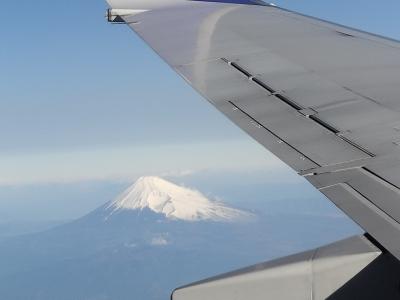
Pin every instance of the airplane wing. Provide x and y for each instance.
(324, 98)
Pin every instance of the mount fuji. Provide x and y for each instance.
(173, 201)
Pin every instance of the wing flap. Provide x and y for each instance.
(362, 210)
(316, 274)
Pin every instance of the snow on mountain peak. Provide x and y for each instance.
(174, 201)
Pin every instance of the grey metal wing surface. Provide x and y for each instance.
(323, 98)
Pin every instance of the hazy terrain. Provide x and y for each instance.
(145, 253)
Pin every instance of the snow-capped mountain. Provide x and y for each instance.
(173, 201)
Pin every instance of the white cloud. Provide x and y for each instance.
(159, 241)
(178, 173)
(130, 245)
(127, 163)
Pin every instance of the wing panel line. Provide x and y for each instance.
(295, 106)
(262, 126)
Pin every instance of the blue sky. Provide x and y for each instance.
(84, 100)
(74, 87)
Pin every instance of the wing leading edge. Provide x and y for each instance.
(321, 97)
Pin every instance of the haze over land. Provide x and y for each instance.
(127, 247)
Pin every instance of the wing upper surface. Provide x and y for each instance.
(322, 97)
